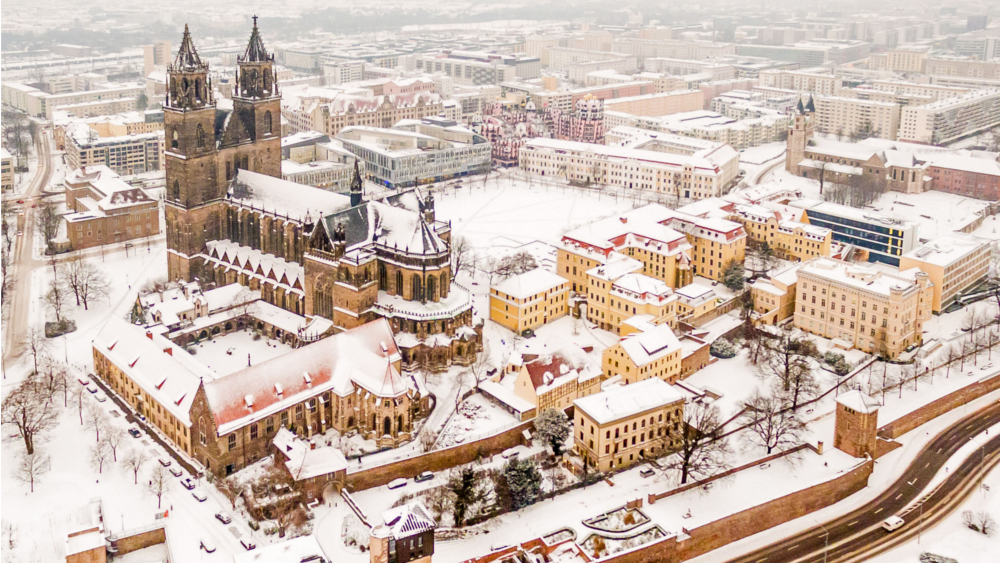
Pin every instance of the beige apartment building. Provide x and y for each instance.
(951, 119)
(628, 424)
(529, 300)
(861, 307)
(812, 82)
(843, 116)
(774, 296)
(899, 60)
(665, 103)
(651, 353)
(934, 91)
(965, 68)
(126, 155)
(790, 240)
(955, 262)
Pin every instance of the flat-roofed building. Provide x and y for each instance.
(665, 103)
(529, 300)
(955, 262)
(126, 154)
(800, 81)
(860, 307)
(628, 424)
(899, 60)
(951, 119)
(6, 170)
(886, 238)
(845, 116)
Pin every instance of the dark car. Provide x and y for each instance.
(223, 517)
(425, 476)
(134, 432)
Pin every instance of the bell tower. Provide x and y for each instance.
(193, 205)
(257, 105)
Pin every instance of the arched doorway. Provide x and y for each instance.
(387, 426)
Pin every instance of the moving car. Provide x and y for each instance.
(397, 483)
(199, 495)
(425, 476)
(223, 517)
(187, 483)
(208, 545)
(892, 523)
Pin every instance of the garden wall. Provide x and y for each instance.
(940, 406)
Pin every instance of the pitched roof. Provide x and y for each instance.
(628, 400)
(408, 520)
(255, 52)
(187, 56)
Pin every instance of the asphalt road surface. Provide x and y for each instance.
(859, 535)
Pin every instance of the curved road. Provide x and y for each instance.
(859, 535)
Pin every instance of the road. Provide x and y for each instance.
(23, 262)
(858, 535)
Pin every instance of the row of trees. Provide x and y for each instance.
(75, 279)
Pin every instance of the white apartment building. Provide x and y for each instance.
(466, 71)
(706, 173)
(951, 119)
(415, 152)
(812, 82)
(935, 91)
(562, 58)
(840, 115)
(707, 125)
(681, 67)
(342, 72)
(665, 103)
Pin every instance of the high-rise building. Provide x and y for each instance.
(157, 54)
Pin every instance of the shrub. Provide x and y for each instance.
(722, 348)
(842, 367)
(833, 358)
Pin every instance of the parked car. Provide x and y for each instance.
(92, 389)
(425, 476)
(509, 454)
(164, 462)
(646, 472)
(176, 471)
(223, 517)
(100, 397)
(397, 483)
(892, 523)
(200, 496)
(135, 432)
(84, 380)
(207, 544)
(248, 544)
(187, 483)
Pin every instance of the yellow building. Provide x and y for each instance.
(628, 424)
(653, 353)
(716, 242)
(790, 240)
(529, 300)
(861, 307)
(954, 262)
(556, 380)
(616, 292)
(695, 300)
(774, 297)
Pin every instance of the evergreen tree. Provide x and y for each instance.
(523, 482)
(733, 275)
(464, 491)
(553, 426)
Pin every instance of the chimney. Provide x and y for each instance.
(168, 351)
(623, 220)
(149, 334)
(819, 447)
(312, 445)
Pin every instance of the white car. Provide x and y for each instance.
(199, 495)
(893, 523)
(397, 483)
(100, 397)
(207, 544)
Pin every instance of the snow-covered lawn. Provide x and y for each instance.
(475, 418)
(230, 353)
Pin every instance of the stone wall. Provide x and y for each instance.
(936, 408)
(360, 480)
(129, 541)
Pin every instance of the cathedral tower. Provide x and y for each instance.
(193, 198)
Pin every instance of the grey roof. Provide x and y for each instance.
(187, 56)
(255, 53)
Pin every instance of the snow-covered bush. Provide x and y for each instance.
(722, 348)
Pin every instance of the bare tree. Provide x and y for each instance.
(769, 424)
(100, 453)
(760, 258)
(699, 449)
(47, 220)
(481, 365)
(245, 304)
(515, 264)
(29, 408)
(55, 298)
(37, 345)
(789, 359)
(821, 169)
(461, 255)
(114, 436)
(86, 281)
(56, 379)
(230, 488)
(159, 483)
(95, 420)
(31, 466)
(134, 460)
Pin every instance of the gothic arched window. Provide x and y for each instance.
(200, 136)
(197, 89)
(174, 142)
(267, 122)
(418, 289)
(383, 278)
(399, 283)
(444, 285)
(430, 287)
(176, 192)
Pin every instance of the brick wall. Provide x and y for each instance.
(139, 540)
(438, 460)
(936, 408)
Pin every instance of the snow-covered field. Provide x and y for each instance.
(230, 353)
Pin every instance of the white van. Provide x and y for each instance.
(893, 523)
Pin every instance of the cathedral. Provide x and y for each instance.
(230, 218)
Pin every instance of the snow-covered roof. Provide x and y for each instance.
(625, 401)
(165, 372)
(282, 197)
(646, 347)
(947, 249)
(654, 158)
(362, 357)
(408, 520)
(304, 462)
(865, 278)
(858, 401)
(529, 283)
(840, 149)
(296, 550)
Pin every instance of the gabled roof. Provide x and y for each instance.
(408, 520)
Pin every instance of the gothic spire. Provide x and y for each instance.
(357, 190)
(187, 56)
(255, 53)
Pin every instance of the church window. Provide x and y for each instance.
(267, 122)
(176, 192)
(444, 285)
(173, 141)
(200, 136)
(383, 278)
(399, 282)
(430, 287)
(418, 290)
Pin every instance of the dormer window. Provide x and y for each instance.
(278, 389)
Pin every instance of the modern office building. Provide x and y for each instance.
(886, 238)
(126, 154)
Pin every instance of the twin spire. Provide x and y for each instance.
(255, 53)
(187, 56)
